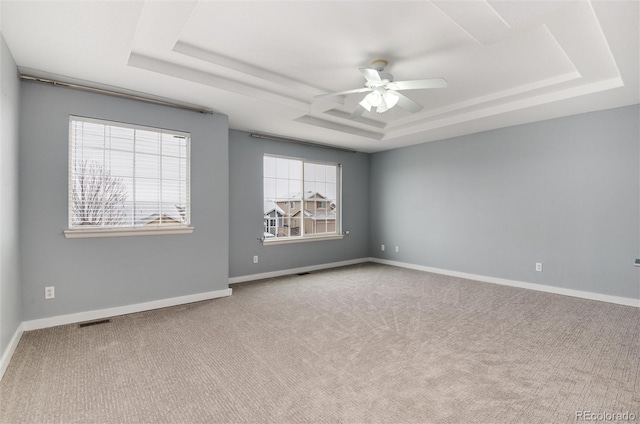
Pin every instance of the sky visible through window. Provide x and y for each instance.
(283, 178)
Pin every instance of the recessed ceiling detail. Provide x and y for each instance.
(245, 68)
(477, 19)
(213, 80)
(262, 63)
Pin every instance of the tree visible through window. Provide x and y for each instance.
(97, 197)
(123, 175)
(301, 198)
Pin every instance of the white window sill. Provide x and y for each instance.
(286, 240)
(120, 232)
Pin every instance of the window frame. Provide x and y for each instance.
(116, 231)
(304, 238)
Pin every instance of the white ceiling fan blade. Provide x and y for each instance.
(418, 84)
(406, 103)
(371, 75)
(357, 113)
(340, 93)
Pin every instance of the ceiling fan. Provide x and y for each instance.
(384, 90)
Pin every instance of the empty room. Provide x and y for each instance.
(320, 211)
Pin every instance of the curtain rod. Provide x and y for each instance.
(115, 93)
(303, 142)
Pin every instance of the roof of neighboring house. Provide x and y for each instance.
(167, 211)
(320, 215)
(270, 206)
(165, 217)
(142, 213)
(313, 195)
(308, 195)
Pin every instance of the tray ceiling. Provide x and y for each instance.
(262, 62)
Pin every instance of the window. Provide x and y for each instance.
(127, 179)
(305, 195)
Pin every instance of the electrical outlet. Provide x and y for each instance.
(397, 248)
(539, 266)
(382, 247)
(49, 292)
(255, 259)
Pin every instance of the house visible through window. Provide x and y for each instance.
(301, 198)
(126, 176)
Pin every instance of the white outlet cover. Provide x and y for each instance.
(49, 292)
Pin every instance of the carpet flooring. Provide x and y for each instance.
(358, 344)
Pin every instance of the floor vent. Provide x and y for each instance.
(88, 324)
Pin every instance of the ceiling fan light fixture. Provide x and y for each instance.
(391, 99)
(382, 101)
(374, 98)
(382, 108)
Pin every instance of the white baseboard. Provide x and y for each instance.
(121, 310)
(8, 352)
(263, 275)
(627, 301)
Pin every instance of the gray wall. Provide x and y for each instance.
(97, 273)
(10, 297)
(246, 208)
(563, 192)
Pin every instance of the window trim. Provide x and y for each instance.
(94, 232)
(126, 231)
(300, 239)
(338, 234)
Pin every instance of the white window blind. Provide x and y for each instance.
(127, 176)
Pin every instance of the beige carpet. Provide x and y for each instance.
(366, 343)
